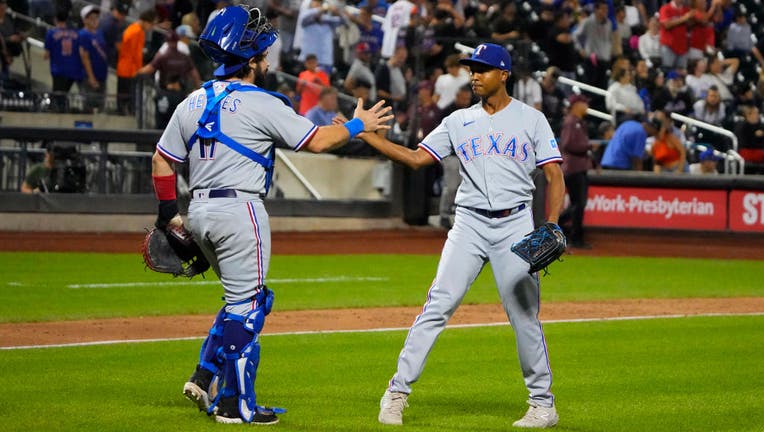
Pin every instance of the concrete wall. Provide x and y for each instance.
(100, 121)
(332, 177)
(57, 222)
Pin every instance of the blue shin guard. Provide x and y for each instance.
(211, 353)
(241, 352)
(246, 373)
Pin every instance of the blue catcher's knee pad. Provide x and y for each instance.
(265, 299)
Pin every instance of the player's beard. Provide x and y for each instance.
(260, 74)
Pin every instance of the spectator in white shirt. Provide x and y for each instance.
(623, 97)
(650, 42)
(526, 89)
(449, 83)
(711, 109)
(396, 19)
(721, 73)
(697, 80)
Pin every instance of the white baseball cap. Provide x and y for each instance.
(88, 9)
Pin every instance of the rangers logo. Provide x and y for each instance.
(553, 143)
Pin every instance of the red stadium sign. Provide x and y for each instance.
(656, 208)
(747, 211)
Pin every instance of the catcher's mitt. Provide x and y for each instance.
(541, 247)
(173, 251)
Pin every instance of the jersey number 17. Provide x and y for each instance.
(207, 149)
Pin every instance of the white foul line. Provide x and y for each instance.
(217, 282)
(377, 330)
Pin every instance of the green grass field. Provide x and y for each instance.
(688, 374)
(692, 374)
(56, 281)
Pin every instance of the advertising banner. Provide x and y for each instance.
(747, 211)
(689, 209)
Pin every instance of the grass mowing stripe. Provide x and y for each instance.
(650, 375)
(377, 330)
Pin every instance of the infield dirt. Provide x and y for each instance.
(414, 241)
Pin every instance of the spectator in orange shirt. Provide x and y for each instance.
(669, 154)
(130, 59)
(309, 83)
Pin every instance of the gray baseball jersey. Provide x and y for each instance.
(226, 214)
(255, 119)
(497, 154)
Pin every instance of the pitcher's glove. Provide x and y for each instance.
(173, 250)
(541, 247)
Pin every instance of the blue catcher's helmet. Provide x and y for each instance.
(234, 36)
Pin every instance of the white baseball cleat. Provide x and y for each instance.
(391, 407)
(538, 417)
(195, 394)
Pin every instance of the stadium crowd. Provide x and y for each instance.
(698, 58)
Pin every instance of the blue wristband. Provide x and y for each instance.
(354, 126)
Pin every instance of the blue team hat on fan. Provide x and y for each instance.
(495, 56)
(709, 154)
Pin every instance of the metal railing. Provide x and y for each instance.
(298, 175)
(115, 162)
(732, 158)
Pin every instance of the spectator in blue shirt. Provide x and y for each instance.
(112, 25)
(370, 31)
(326, 108)
(62, 48)
(318, 24)
(93, 53)
(377, 7)
(626, 148)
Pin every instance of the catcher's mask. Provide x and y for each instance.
(234, 36)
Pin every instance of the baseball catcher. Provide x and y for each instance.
(228, 131)
(541, 247)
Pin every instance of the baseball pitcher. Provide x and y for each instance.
(498, 142)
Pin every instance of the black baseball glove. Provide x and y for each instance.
(541, 247)
(173, 250)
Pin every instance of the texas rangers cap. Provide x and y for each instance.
(495, 56)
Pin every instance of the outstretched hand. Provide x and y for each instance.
(375, 118)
